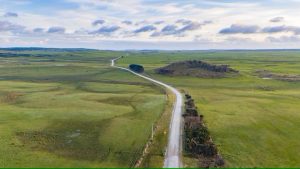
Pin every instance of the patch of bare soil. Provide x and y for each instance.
(196, 68)
(265, 74)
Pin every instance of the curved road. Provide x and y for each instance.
(173, 153)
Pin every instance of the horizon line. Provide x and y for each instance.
(233, 49)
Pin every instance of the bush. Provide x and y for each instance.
(136, 68)
(202, 135)
(209, 150)
(197, 136)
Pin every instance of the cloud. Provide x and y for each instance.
(174, 20)
(190, 27)
(159, 22)
(127, 22)
(283, 39)
(174, 30)
(275, 29)
(207, 22)
(296, 30)
(277, 19)
(252, 29)
(283, 28)
(141, 23)
(106, 30)
(167, 30)
(184, 21)
(11, 27)
(81, 31)
(147, 28)
(10, 14)
(240, 29)
(238, 40)
(98, 22)
(56, 29)
(38, 30)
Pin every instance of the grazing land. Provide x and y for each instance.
(253, 120)
(68, 108)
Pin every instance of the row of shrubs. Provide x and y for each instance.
(185, 65)
(197, 140)
(210, 67)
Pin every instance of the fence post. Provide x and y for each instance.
(152, 132)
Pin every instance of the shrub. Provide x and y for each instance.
(136, 68)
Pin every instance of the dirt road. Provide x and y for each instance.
(173, 152)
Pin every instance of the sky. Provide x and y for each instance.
(151, 24)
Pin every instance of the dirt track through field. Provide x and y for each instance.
(174, 149)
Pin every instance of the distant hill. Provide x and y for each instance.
(22, 49)
(196, 68)
(37, 52)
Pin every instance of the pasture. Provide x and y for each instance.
(254, 121)
(70, 109)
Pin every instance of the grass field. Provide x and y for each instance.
(70, 109)
(254, 121)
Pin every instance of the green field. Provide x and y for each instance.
(70, 109)
(254, 121)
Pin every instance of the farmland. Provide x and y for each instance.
(254, 121)
(70, 109)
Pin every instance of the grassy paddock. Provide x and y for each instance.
(73, 110)
(70, 109)
(254, 121)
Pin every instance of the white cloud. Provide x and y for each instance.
(77, 21)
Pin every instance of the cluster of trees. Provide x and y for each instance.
(136, 68)
(210, 67)
(196, 68)
(197, 139)
(195, 64)
(164, 71)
